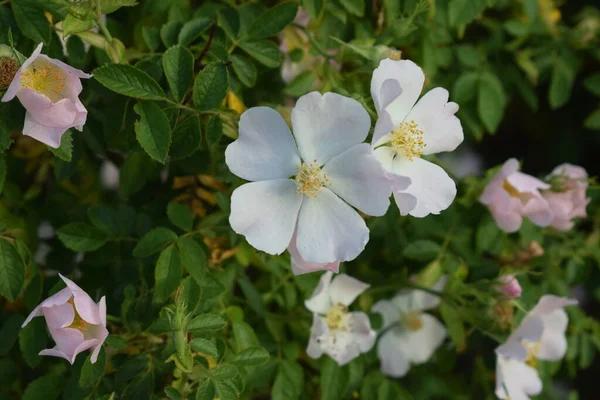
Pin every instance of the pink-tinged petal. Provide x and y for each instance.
(345, 289)
(58, 298)
(299, 266)
(81, 116)
(330, 230)
(385, 155)
(15, 85)
(553, 343)
(61, 114)
(320, 302)
(97, 347)
(54, 352)
(410, 79)
(102, 310)
(265, 148)
(85, 306)
(393, 361)
(510, 286)
(45, 134)
(383, 128)
(327, 125)
(526, 183)
(358, 178)
(364, 336)
(265, 213)
(406, 202)
(538, 211)
(549, 303)
(433, 114)
(509, 222)
(66, 67)
(59, 316)
(67, 341)
(87, 344)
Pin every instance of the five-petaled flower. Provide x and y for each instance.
(410, 335)
(330, 170)
(567, 195)
(405, 131)
(541, 336)
(49, 90)
(512, 195)
(75, 322)
(336, 331)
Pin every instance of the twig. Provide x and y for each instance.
(208, 44)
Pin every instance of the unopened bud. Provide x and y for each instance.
(8, 70)
(510, 287)
(535, 249)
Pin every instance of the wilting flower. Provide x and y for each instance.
(405, 131)
(49, 90)
(541, 336)
(512, 195)
(331, 171)
(336, 331)
(567, 195)
(510, 286)
(412, 336)
(75, 322)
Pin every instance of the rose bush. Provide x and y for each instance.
(315, 199)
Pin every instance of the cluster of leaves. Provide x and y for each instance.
(194, 311)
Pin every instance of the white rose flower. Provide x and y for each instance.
(337, 332)
(330, 171)
(405, 131)
(412, 336)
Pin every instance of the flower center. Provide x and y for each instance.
(510, 189)
(411, 320)
(533, 350)
(310, 179)
(407, 139)
(46, 79)
(78, 323)
(338, 317)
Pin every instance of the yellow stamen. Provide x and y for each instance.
(533, 350)
(412, 321)
(510, 189)
(46, 79)
(310, 179)
(338, 317)
(407, 139)
(78, 323)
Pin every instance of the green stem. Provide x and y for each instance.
(190, 109)
(101, 24)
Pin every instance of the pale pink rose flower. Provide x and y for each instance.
(299, 266)
(75, 322)
(567, 197)
(512, 195)
(510, 286)
(49, 90)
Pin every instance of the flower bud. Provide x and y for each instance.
(510, 287)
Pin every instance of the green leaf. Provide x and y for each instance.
(32, 340)
(255, 300)
(333, 380)
(229, 20)
(468, 55)
(109, 6)
(116, 342)
(151, 36)
(135, 172)
(129, 81)
(154, 241)
(244, 69)
(289, 381)
(92, 373)
(214, 130)
(225, 391)
(491, 101)
(193, 257)
(464, 11)
(211, 86)
(180, 216)
(104, 218)
(2, 172)
(223, 372)
(207, 322)
(465, 87)
(12, 270)
(244, 336)
(263, 51)
(314, 7)
(169, 33)
(204, 346)
(206, 391)
(561, 83)
(454, 323)
(72, 24)
(301, 84)
(488, 235)
(31, 20)
(65, 151)
(178, 64)
(167, 274)
(592, 84)
(272, 21)
(153, 130)
(356, 7)
(422, 250)
(192, 30)
(10, 332)
(251, 356)
(186, 138)
(592, 121)
(47, 387)
(79, 236)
